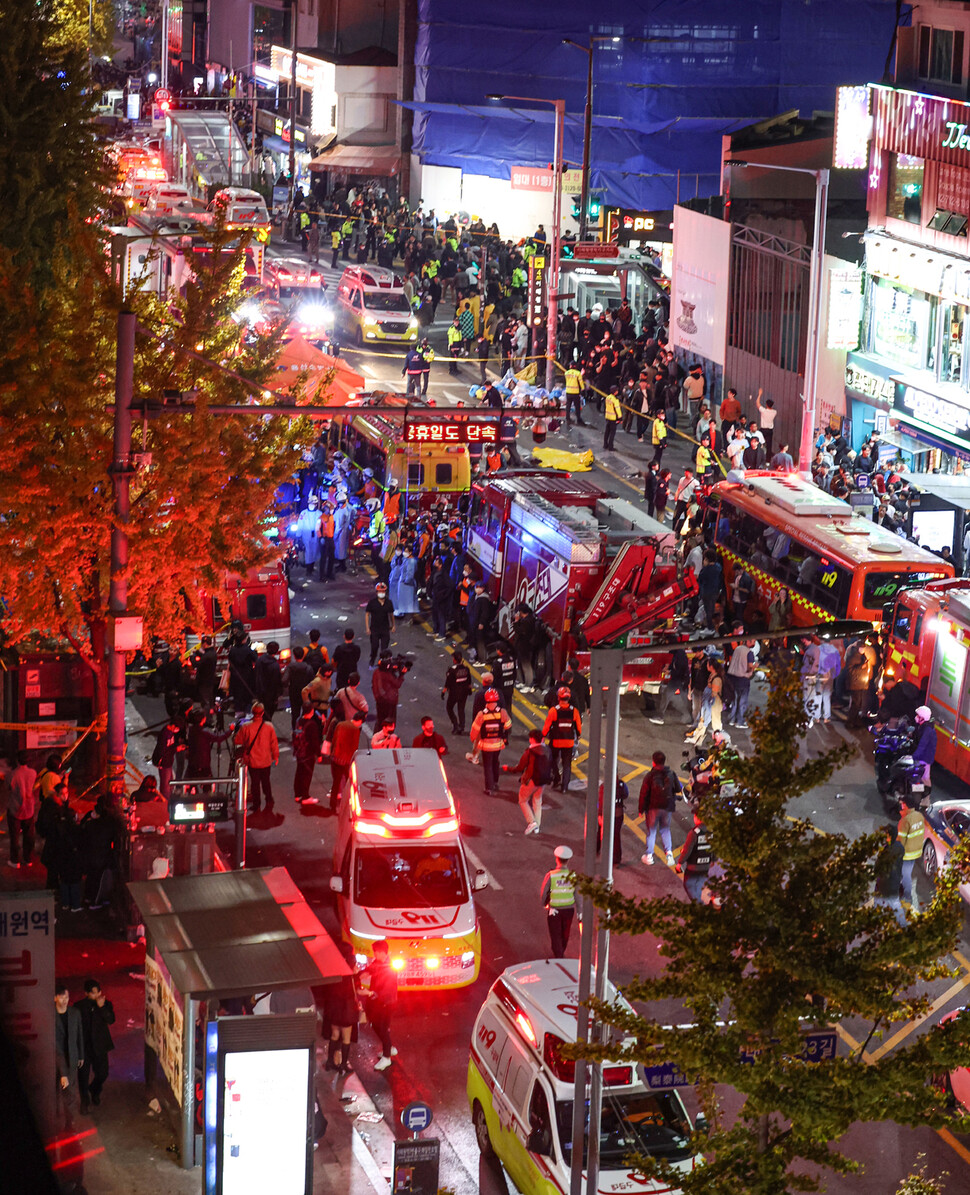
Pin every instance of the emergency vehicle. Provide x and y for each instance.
(400, 872)
(593, 567)
(260, 601)
(520, 1089)
(787, 533)
(929, 644)
(423, 469)
(158, 253)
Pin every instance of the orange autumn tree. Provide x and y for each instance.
(201, 505)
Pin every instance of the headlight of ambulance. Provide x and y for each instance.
(468, 958)
(312, 314)
(369, 321)
(413, 322)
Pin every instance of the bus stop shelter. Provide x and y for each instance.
(207, 151)
(221, 936)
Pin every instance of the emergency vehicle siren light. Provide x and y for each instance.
(398, 963)
(524, 1026)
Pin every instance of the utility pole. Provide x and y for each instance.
(121, 471)
(294, 21)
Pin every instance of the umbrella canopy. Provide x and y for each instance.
(299, 355)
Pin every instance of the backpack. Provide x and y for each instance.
(658, 790)
(541, 766)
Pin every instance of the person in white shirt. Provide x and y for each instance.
(766, 413)
(736, 446)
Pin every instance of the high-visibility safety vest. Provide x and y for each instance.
(335, 238)
(431, 268)
(492, 734)
(392, 507)
(518, 277)
(454, 335)
(562, 889)
(574, 381)
(304, 220)
(703, 460)
(659, 431)
(562, 726)
(347, 228)
(700, 857)
(613, 412)
(326, 527)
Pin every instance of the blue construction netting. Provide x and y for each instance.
(680, 75)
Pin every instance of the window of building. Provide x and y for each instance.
(905, 197)
(940, 55)
(901, 324)
(952, 223)
(954, 322)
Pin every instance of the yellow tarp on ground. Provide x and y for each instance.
(528, 375)
(554, 458)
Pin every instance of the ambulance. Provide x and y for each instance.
(400, 872)
(520, 1090)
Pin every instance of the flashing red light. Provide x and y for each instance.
(525, 1027)
(363, 827)
(563, 1068)
(448, 826)
(617, 1076)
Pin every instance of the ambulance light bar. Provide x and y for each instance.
(383, 829)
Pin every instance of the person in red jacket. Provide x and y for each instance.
(429, 737)
(535, 767)
(344, 741)
(562, 728)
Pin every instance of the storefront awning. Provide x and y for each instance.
(382, 161)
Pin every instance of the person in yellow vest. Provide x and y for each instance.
(454, 346)
(613, 413)
(559, 898)
(659, 437)
(304, 228)
(909, 831)
(704, 461)
(575, 384)
(335, 240)
(346, 236)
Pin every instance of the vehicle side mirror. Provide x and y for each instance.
(480, 881)
(336, 884)
(538, 1141)
(700, 1123)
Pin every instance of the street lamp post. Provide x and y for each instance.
(810, 403)
(552, 275)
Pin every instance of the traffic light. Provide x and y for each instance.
(577, 206)
(566, 250)
(595, 204)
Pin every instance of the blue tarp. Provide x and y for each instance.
(682, 74)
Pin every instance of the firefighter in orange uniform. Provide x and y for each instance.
(325, 535)
(562, 728)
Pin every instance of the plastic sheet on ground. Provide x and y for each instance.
(555, 458)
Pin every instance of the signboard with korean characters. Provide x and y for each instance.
(27, 993)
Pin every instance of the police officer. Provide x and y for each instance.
(503, 669)
(562, 728)
(695, 859)
(454, 347)
(457, 686)
(559, 898)
(575, 383)
(489, 732)
(427, 356)
(413, 369)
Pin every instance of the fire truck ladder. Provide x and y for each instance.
(626, 600)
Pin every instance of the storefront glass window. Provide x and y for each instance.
(905, 199)
(951, 354)
(901, 325)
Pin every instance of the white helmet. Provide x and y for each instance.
(923, 713)
(368, 473)
(563, 852)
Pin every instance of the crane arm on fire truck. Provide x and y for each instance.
(635, 592)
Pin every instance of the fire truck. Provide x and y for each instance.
(595, 568)
(929, 645)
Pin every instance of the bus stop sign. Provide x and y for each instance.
(416, 1116)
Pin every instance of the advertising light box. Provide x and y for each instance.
(259, 1105)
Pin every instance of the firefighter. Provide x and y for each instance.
(695, 859)
(562, 728)
(559, 898)
(325, 534)
(489, 733)
(392, 503)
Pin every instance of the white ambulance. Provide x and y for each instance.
(520, 1090)
(400, 872)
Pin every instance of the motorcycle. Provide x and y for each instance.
(897, 773)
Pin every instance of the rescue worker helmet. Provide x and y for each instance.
(923, 713)
(491, 696)
(564, 694)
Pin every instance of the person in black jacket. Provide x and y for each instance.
(96, 1015)
(457, 686)
(346, 657)
(101, 832)
(442, 592)
(206, 667)
(200, 741)
(297, 676)
(57, 825)
(242, 669)
(381, 996)
(269, 678)
(68, 1053)
(307, 742)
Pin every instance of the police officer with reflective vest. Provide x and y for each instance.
(427, 356)
(454, 347)
(575, 384)
(613, 413)
(559, 898)
(413, 369)
(562, 728)
(695, 859)
(335, 239)
(489, 732)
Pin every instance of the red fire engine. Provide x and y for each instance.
(929, 645)
(595, 568)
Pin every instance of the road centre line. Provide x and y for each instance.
(492, 881)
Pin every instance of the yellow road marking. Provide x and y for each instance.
(912, 1026)
(947, 1136)
(961, 959)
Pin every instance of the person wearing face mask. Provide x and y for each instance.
(307, 527)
